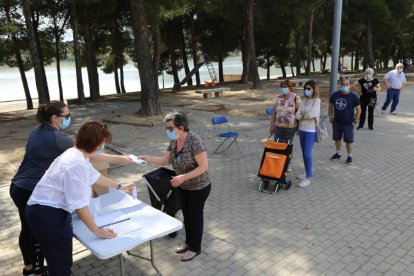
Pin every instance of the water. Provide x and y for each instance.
(12, 88)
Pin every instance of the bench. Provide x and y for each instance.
(299, 82)
(216, 91)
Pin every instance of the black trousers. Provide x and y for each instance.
(192, 204)
(364, 106)
(29, 247)
(53, 229)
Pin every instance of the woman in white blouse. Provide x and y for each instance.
(308, 115)
(64, 188)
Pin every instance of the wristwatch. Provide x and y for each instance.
(119, 186)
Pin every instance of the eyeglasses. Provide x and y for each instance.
(64, 116)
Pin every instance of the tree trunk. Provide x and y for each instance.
(283, 68)
(184, 52)
(352, 60)
(220, 66)
(308, 65)
(267, 64)
(40, 76)
(245, 57)
(298, 56)
(291, 70)
(356, 63)
(116, 79)
(91, 62)
(121, 75)
(369, 49)
(174, 69)
(57, 57)
(157, 52)
(149, 95)
(76, 50)
(253, 60)
(194, 48)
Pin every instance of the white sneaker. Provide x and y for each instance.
(301, 176)
(383, 112)
(304, 183)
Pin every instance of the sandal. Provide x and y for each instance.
(182, 248)
(189, 255)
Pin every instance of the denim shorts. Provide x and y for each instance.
(346, 130)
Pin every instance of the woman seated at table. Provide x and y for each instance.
(188, 155)
(64, 188)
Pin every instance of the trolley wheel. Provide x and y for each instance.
(278, 185)
(287, 185)
(263, 185)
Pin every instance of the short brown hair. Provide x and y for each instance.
(288, 83)
(91, 135)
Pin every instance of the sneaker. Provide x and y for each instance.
(393, 113)
(336, 156)
(383, 112)
(349, 160)
(304, 183)
(301, 176)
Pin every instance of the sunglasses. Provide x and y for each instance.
(64, 116)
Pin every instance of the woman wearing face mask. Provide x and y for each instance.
(367, 88)
(46, 142)
(188, 155)
(64, 188)
(283, 122)
(308, 116)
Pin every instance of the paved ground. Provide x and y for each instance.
(360, 218)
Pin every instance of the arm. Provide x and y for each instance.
(85, 216)
(160, 161)
(315, 111)
(202, 163)
(386, 83)
(273, 119)
(330, 112)
(377, 87)
(357, 114)
(107, 182)
(120, 159)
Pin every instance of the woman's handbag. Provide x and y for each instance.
(321, 130)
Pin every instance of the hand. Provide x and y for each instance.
(177, 180)
(330, 119)
(105, 233)
(271, 130)
(144, 157)
(127, 187)
(123, 160)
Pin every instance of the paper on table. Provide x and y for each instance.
(118, 222)
(136, 160)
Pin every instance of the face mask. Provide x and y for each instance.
(368, 76)
(308, 92)
(284, 90)
(171, 135)
(65, 123)
(100, 150)
(345, 89)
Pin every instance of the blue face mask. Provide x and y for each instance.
(307, 92)
(345, 89)
(284, 90)
(100, 150)
(65, 123)
(171, 135)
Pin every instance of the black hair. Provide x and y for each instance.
(46, 111)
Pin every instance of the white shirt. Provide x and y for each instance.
(395, 80)
(311, 108)
(66, 184)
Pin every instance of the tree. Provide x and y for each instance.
(149, 96)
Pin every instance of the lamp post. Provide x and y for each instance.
(336, 45)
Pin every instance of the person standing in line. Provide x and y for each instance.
(188, 155)
(367, 88)
(46, 142)
(344, 111)
(283, 124)
(308, 116)
(64, 188)
(394, 82)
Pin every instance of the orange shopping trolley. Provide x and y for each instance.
(273, 167)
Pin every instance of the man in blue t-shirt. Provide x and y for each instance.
(344, 111)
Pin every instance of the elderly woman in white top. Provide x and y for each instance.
(64, 188)
(308, 115)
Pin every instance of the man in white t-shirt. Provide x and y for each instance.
(394, 82)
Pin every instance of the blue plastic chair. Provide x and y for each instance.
(224, 133)
(269, 111)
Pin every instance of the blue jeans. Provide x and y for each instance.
(394, 95)
(307, 140)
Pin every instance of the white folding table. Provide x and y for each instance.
(152, 222)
